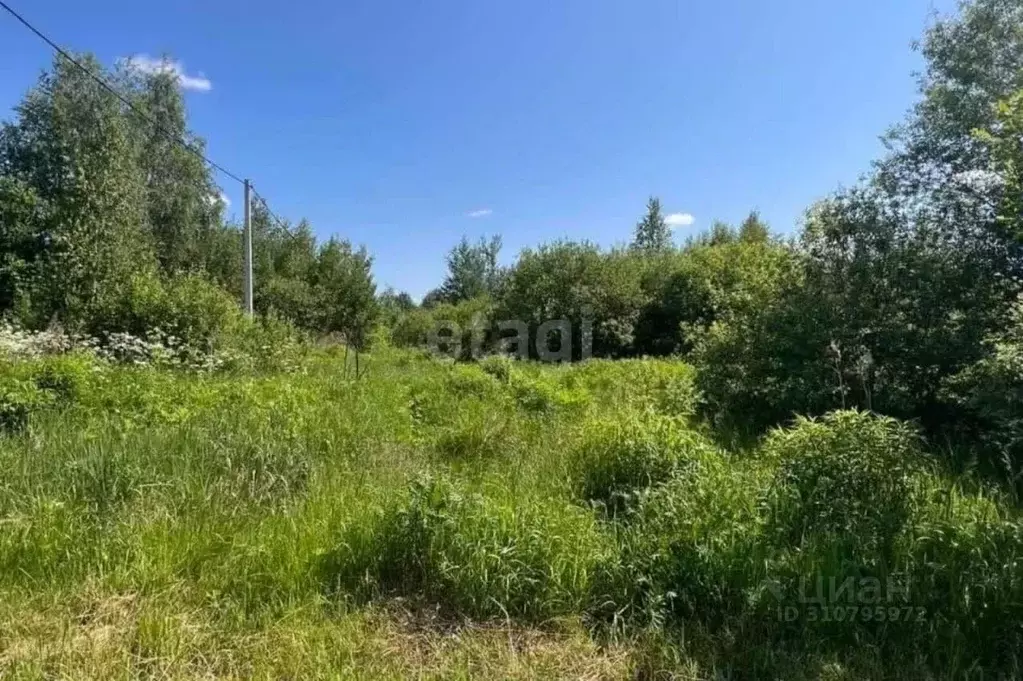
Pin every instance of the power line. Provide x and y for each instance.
(117, 94)
(280, 223)
(179, 140)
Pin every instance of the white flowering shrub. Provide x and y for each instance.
(19, 344)
(256, 345)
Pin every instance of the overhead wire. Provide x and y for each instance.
(109, 88)
(285, 227)
(127, 102)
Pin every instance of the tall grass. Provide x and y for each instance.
(563, 521)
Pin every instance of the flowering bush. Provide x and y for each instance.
(18, 344)
(258, 344)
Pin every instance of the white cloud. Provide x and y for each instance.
(679, 220)
(146, 64)
(224, 200)
(482, 213)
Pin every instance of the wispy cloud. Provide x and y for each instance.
(482, 213)
(146, 64)
(679, 220)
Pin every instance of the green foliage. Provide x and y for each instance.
(542, 396)
(484, 557)
(245, 494)
(471, 381)
(102, 480)
(897, 282)
(472, 270)
(1003, 143)
(753, 229)
(266, 344)
(19, 398)
(989, 394)
(413, 328)
(498, 366)
(652, 233)
(966, 571)
(578, 283)
(475, 437)
(704, 283)
(187, 308)
(109, 224)
(393, 307)
(32, 387)
(876, 312)
(618, 461)
(973, 60)
(665, 386)
(250, 496)
(65, 377)
(20, 212)
(844, 477)
(689, 554)
(182, 202)
(461, 330)
(77, 198)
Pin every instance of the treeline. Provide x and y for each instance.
(900, 295)
(109, 225)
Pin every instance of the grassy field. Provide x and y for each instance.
(494, 520)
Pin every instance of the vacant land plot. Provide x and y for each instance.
(494, 520)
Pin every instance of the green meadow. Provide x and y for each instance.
(492, 520)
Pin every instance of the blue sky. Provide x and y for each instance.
(393, 123)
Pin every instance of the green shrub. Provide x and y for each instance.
(666, 386)
(33, 385)
(844, 476)
(19, 398)
(469, 381)
(188, 311)
(481, 556)
(64, 376)
(620, 459)
(264, 344)
(415, 327)
(197, 311)
(989, 398)
(575, 281)
(498, 366)
(690, 553)
(412, 328)
(542, 396)
(691, 289)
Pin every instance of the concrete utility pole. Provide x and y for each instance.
(247, 245)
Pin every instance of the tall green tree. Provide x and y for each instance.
(652, 233)
(72, 150)
(753, 229)
(705, 282)
(472, 270)
(1004, 141)
(345, 292)
(183, 203)
(576, 281)
(902, 278)
(973, 60)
